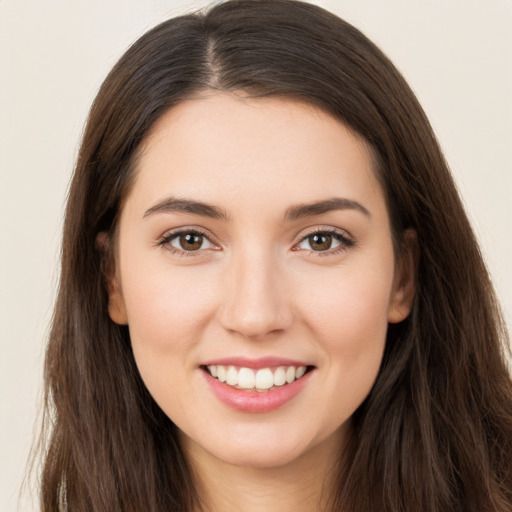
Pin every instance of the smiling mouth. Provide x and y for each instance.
(252, 379)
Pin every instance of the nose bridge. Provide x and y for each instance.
(256, 301)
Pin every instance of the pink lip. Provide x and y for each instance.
(255, 401)
(261, 362)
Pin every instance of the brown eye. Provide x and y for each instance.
(325, 241)
(188, 241)
(320, 241)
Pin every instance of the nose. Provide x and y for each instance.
(256, 300)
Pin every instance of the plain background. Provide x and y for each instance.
(456, 55)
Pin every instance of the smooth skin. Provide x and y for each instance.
(257, 282)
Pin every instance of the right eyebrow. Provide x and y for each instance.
(176, 204)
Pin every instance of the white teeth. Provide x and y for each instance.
(260, 380)
(221, 373)
(246, 379)
(232, 376)
(290, 374)
(279, 376)
(300, 371)
(264, 379)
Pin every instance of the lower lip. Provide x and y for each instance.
(256, 401)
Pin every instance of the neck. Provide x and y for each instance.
(303, 485)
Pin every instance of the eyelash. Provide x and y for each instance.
(342, 238)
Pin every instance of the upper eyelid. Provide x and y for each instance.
(192, 229)
(325, 229)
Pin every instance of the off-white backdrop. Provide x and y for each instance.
(456, 54)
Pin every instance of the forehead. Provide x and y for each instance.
(264, 153)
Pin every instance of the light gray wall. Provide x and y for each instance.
(456, 54)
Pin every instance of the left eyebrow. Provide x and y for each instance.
(301, 211)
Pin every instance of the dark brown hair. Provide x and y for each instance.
(435, 433)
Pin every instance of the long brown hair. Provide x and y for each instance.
(435, 433)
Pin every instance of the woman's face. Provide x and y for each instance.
(255, 244)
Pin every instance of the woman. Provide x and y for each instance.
(271, 297)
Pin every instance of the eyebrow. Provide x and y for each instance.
(300, 211)
(176, 204)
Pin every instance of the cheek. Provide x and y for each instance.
(169, 301)
(350, 324)
(352, 309)
(167, 310)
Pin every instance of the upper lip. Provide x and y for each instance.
(260, 362)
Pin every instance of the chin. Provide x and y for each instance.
(265, 448)
(263, 458)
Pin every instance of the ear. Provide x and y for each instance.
(116, 305)
(404, 285)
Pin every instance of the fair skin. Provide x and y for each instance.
(261, 283)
